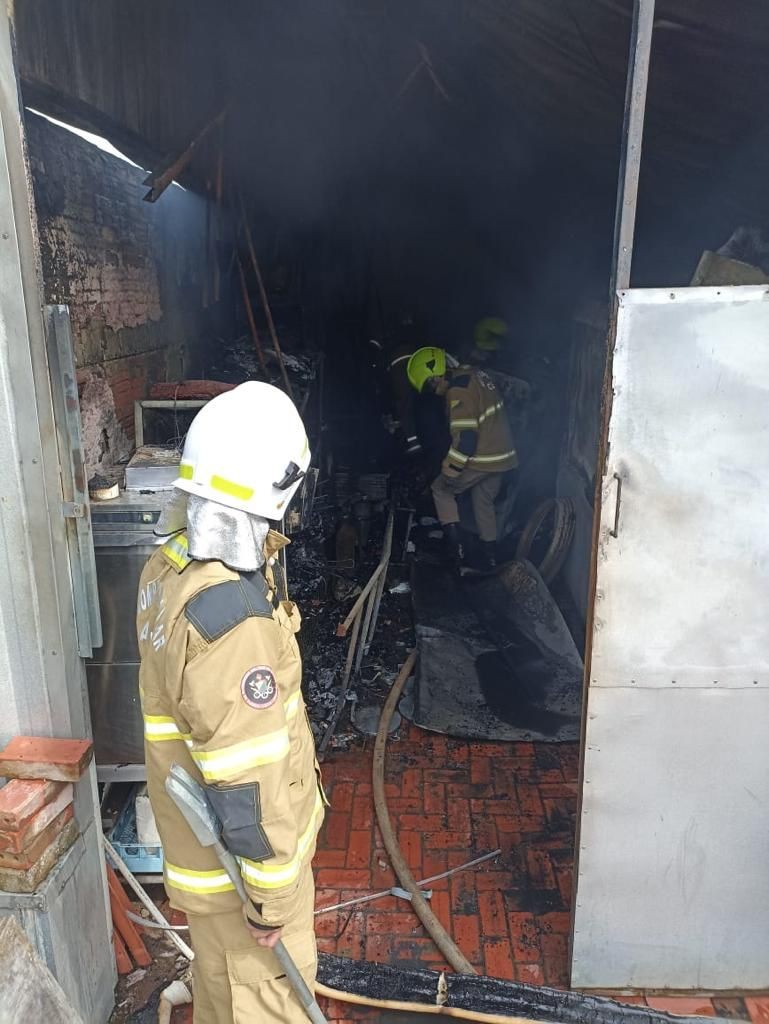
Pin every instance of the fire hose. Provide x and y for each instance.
(435, 929)
(455, 1012)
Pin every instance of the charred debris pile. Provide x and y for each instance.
(353, 526)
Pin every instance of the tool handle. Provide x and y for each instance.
(230, 865)
(298, 984)
(295, 979)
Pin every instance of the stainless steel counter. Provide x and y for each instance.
(124, 540)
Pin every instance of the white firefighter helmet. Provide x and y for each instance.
(246, 449)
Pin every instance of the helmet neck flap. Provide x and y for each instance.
(229, 535)
(216, 532)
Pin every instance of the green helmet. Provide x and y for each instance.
(425, 363)
(489, 334)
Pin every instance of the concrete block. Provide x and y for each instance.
(39, 757)
(68, 903)
(29, 990)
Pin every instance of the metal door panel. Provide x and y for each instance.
(113, 672)
(118, 571)
(682, 588)
(113, 695)
(673, 887)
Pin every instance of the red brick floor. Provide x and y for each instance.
(451, 801)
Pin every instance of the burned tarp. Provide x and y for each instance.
(497, 660)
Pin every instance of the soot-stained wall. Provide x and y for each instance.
(132, 274)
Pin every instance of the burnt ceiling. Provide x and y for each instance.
(499, 117)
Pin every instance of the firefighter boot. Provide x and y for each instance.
(485, 561)
(454, 549)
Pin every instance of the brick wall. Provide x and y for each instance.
(132, 274)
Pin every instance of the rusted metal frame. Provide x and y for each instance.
(622, 258)
(219, 192)
(209, 243)
(265, 300)
(250, 315)
(158, 181)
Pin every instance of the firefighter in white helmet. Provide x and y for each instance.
(220, 685)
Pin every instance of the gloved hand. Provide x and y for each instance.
(267, 937)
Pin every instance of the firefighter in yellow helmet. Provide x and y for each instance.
(489, 336)
(220, 685)
(481, 450)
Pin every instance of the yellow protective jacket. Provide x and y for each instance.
(480, 432)
(220, 690)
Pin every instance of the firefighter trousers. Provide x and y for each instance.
(237, 982)
(483, 487)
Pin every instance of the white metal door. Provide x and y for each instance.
(673, 884)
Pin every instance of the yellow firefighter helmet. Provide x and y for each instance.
(425, 363)
(489, 334)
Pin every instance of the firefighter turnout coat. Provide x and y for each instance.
(480, 432)
(220, 691)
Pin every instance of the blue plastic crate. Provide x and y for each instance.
(142, 860)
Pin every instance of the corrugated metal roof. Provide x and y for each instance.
(325, 99)
(557, 66)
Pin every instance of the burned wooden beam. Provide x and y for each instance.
(265, 299)
(159, 180)
(251, 320)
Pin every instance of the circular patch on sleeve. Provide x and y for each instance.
(259, 688)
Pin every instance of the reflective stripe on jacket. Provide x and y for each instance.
(480, 431)
(220, 685)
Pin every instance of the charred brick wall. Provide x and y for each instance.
(132, 274)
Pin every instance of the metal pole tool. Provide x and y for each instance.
(190, 797)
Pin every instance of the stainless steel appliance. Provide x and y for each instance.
(123, 539)
(152, 468)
